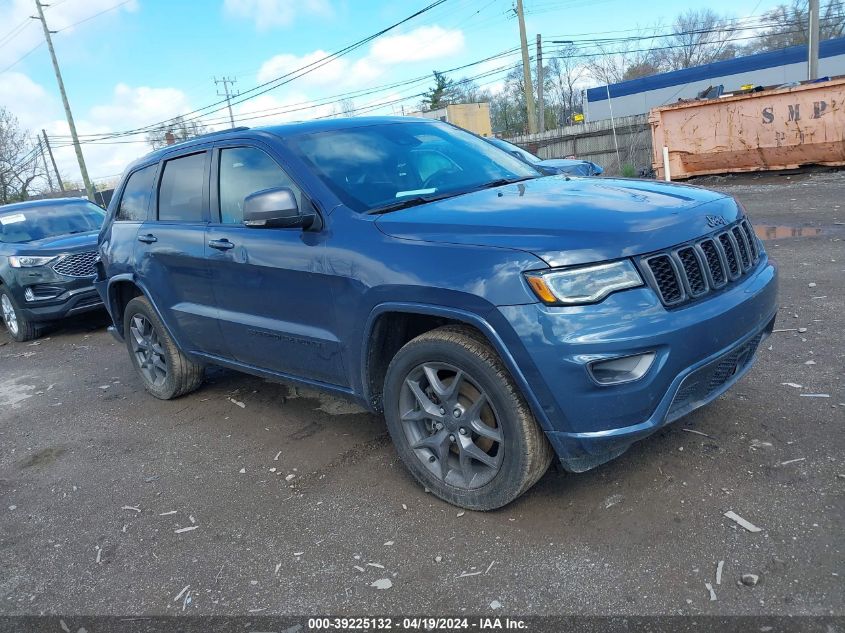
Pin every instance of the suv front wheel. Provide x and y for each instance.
(18, 326)
(459, 422)
(167, 373)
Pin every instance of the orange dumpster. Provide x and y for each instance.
(774, 129)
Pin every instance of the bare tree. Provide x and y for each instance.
(788, 25)
(563, 77)
(347, 107)
(21, 166)
(699, 36)
(175, 131)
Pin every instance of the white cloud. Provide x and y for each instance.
(268, 14)
(132, 107)
(62, 16)
(423, 43)
(327, 72)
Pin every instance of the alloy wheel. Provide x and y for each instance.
(451, 425)
(9, 316)
(148, 350)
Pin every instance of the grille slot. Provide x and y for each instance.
(693, 270)
(752, 240)
(714, 262)
(737, 232)
(667, 281)
(730, 255)
(77, 265)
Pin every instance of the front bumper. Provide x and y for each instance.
(700, 349)
(68, 296)
(69, 303)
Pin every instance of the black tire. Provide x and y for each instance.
(526, 453)
(181, 375)
(20, 328)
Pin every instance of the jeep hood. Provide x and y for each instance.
(568, 221)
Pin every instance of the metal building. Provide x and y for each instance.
(638, 96)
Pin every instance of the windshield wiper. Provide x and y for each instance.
(413, 202)
(418, 200)
(504, 181)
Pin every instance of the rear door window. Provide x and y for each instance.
(136, 195)
(180, 194)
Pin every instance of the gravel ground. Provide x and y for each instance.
(260, 496)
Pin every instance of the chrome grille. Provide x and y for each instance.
(77, 265)
(693, 270)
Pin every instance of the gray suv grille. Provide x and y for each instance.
(690, 271)
(77, 265)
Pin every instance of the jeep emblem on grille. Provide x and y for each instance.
(715, 220)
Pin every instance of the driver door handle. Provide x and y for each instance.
(221, 245)
(149, 238)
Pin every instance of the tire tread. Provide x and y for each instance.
(538, 453)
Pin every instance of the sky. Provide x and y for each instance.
(132, 63)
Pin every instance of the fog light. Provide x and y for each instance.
(41, 292)
(618, 370)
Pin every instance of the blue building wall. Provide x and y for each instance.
(638, 96)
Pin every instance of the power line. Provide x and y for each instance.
(95, 15)
(22, 57)
(282, 79)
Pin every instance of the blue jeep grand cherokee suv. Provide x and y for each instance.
(494, 316)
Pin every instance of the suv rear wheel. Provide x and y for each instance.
(167, 373)
(19, 327)
(459, 422)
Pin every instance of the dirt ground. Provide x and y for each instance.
(257, 497)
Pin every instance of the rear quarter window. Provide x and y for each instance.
(136, 195)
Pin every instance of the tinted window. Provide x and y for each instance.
(29, 223)
(136, 195)
(380, 165)
(180, 192)
(245, 170)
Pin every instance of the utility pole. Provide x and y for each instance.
(227, 81)
(82, 169)
(813, 42)
(541, 110)
(44, 160)
(526, 70)
(52, 159)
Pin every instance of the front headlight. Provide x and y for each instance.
(28, 261)
(586, 284)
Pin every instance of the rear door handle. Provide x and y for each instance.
(221, 245)
(149, 238)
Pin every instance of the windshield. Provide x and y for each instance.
(381, 165)
(516, 149)
(28, 224)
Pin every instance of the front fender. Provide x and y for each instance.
(479, 321)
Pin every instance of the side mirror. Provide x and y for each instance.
(275, 208)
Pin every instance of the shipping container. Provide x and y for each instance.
(783, 128)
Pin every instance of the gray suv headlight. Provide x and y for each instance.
(585, 284)
(29, 261)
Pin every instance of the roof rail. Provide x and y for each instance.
(217, 132)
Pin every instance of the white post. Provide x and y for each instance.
(666, 175)
(613, 126)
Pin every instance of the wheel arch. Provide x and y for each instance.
(382, 339)
(120, 291)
